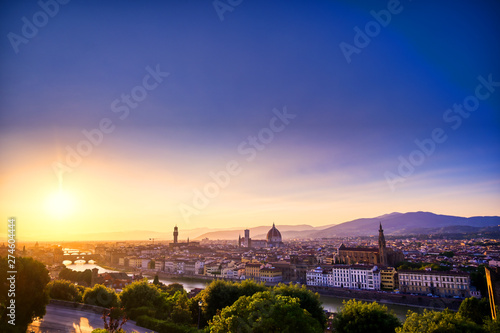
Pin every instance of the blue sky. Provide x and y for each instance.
(353, 120)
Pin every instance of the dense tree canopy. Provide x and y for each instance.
(265, 312)
(101, 296)
(438, 322)
(64, 290)
(220, 294)
(139, 294)
(84, 277)
(361, 317)
(475, 309)
(30, 295)
(308, 300)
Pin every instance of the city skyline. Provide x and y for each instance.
(125, 116)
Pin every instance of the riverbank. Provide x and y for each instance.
(427, 302)
(424, 302)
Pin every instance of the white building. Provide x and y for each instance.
(319, 277)
(438, 283)
(345, 276)
(356, 277)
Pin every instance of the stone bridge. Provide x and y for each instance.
(86, 257)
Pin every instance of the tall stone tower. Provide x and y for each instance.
(248, 242)
(176, 234)
(382, 250)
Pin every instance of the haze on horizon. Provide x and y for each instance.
(114, 116)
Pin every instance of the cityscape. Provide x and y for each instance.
(249, 166)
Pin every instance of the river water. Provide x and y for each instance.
(332, 304)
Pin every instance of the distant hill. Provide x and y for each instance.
(287, 232)
(394, 224)
(404, 224)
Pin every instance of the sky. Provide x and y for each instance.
(119, 116)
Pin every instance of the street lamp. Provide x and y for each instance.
(200, 303)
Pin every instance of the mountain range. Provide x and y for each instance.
(393, 224)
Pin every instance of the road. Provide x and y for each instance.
(63, 319)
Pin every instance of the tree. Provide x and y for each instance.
(475, 309)
(265, 312)
(217, 295)
(356, 316)
(156, 281)
(64, 290)
(478, 279)
(84, 277)
(101, 296)
(139, 294)
(449, 254)
(173, 288)
(308, 300)
(114, 319)
(30, 294)
(438, 322)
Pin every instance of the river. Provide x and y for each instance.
(330, 303)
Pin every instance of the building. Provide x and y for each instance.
(381, 256)
(274, 237)
(270, 274)
(356, 277)
(345, 276)
(272, 240)
(319, 277)
(176, 234)
(445, 284)
(388, 278)
(252, 271)
(176, 243)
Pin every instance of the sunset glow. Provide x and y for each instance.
(139, 119)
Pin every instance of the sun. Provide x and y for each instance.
(60, 204)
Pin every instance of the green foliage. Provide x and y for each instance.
(449, 254)
(173, 288)
(163, 326)
(265, 312)
(101, 296)
(478, 279)
(138, 294)
(438, 322)
(308, 300)
(141, 311)
(491, 326)
(64, 290)
(30, 294)
(220, 294)
(84, 277)
(357, 316)
(156, 281)
(475, 309)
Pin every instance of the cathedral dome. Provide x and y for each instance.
(273, 235)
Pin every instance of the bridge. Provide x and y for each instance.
(82, 256)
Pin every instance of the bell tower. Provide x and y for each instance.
(382, 250)
(176, 234)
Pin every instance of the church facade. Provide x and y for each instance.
(381, 256)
